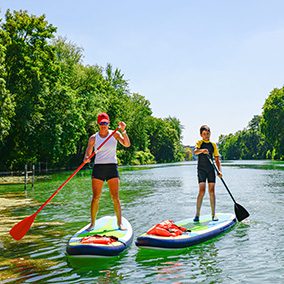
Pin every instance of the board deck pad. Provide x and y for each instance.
(199, 232)
(105, 226)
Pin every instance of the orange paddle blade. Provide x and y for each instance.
(20, 229)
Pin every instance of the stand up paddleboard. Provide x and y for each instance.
(103, 241)
(199, 232)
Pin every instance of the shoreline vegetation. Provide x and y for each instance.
(255, 164)
(20, 179)
(263, 138)
(47, 116)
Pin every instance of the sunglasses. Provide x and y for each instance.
(103, 123)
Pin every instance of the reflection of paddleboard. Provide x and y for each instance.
(84, 264)
(204, 230)
(105, 227)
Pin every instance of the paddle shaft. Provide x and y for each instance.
(212, 163)
(75, 172)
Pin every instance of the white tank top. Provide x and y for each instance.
(107, 154)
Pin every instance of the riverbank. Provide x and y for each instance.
(260, 164)
(20, 179)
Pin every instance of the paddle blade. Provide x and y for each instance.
(241, 212)
(20, 229)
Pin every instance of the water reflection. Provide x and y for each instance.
(23, 268)
(106, 270)
(180, 265)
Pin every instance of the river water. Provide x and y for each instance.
(251, 252)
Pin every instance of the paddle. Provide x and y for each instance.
(20, 229)
(240, 211)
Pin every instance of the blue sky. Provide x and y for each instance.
(204, 62)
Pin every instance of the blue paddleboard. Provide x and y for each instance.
(200, 231)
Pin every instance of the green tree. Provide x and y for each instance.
(69, 58)
(136, 115)
(49, 101)
(73, 105)
(176, 125)
(253, 143)
(63, 125)
(164, 141)
(254, 124)
(7, 104)
(229, 146)
(30, 70)
(117, 93)
(272, 122)
(246, 144)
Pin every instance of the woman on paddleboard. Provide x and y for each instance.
(105, 165)
(205, 170)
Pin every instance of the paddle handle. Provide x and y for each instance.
(75, 172)
(214, 166)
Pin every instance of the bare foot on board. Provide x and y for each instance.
(91, 227)
(122, 228)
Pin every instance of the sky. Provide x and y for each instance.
(203, 62)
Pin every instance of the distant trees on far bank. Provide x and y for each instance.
(49, 101)
(264, 136)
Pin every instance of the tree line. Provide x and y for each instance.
(263, 138)
(49, 101)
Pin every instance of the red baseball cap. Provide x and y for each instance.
(103, 117)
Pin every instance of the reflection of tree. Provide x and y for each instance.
(208, 263)
(195, 263)
(173, 271)
(97, 270)
(110, 276)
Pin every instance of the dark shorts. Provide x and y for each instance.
(105, 171)
(204, 175)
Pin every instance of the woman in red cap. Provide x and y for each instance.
(105, 165)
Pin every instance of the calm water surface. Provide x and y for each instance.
(251, 252)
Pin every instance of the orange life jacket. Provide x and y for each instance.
(166, 229)
(98, 239)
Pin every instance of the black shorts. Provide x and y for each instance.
(105, 171)
(204, 175)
